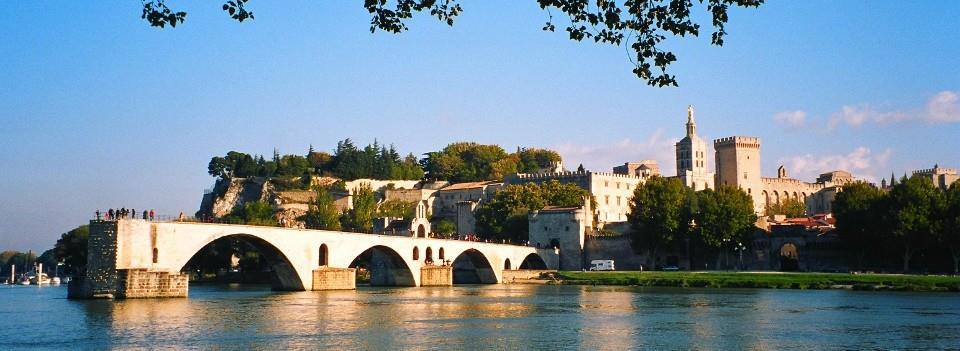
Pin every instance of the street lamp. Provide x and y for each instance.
(740, 248)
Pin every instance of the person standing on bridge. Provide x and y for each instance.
(110, 214)
(98, 214)
(151, 214)
(180, 218)
(144, 214)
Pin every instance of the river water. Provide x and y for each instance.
(484, 317)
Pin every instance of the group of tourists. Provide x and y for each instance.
(124, 213)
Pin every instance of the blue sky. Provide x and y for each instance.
(99, 110)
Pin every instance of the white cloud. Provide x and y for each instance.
(603, 157)
(858, 115)
(862, 162)
(791, 119)
(943, 107)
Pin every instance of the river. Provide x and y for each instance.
(484, 317)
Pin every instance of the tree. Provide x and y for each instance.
(360, 217)
(791, 208)
(397, 209)
(857, 210)
(505, 215)
(950, 228)
(71, 249)
(445, 228)
(318, 161)
(19, 259)
(323, 213)
(253, 213)
(724, 217)
(641, 26)
(655, 216)
(911, 212)
(472, 162)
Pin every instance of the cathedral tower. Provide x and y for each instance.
(692, 158)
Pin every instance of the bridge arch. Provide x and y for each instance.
(285, 275)
(533, 261)
(473, 267)
(385, 266)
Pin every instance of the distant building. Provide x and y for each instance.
(738, 164)
(643, 169)
(564, 228)
(941, 177)
(418, 226)
(456, 202)
(612, 191)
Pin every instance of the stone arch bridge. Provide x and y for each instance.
(137, 258)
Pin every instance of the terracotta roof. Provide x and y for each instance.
(468, 185)
(559, 209)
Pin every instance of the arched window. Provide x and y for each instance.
(156, 255)
(506, 264)
(416, 253)
(429, 257)
(324, 254)
(440, 254)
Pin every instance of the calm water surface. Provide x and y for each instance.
(484, 317)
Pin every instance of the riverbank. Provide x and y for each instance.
(769, 280)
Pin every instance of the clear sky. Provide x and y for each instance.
(99, 110)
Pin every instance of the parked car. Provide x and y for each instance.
(601, 265)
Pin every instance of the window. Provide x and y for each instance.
(618, 201)
(567, 228)
(606, 199)
(744, 175)
(606, 184)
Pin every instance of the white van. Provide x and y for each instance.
(601, 265)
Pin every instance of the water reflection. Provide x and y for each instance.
(484, 317)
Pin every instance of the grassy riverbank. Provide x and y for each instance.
(772, 280)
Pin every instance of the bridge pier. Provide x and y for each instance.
(328, 278)
(436, 276)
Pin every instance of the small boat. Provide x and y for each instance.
(55, 281)
(25, 281)
(40, 279)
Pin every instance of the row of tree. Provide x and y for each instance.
(912, 217)
(471, 162)
(504, 217)
(457, 162)
(348, 162)
(666, 215)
